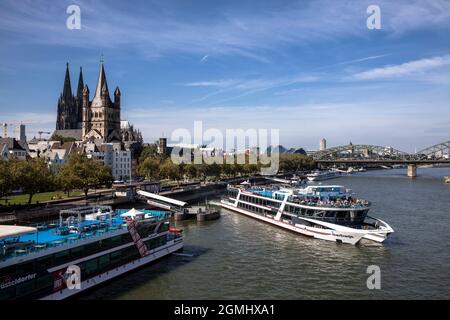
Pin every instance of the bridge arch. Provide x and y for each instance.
(361, 151)
(438, 151)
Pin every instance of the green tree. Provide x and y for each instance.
(202, 171)
(82, 173)
(169, 170)
(191, 171)
(214, 170)
(150, 151)
(32, 176)
(149, 168)
(6, 179)
(65, 179)
(296, 162)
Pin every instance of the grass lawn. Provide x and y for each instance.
(39, 197)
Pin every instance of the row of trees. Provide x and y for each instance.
(158, 168)
(155, 166)
(33, 176)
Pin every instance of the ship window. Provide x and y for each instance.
(115, 257)
(24, 288)
(103, 262)
(61, 257)
(130, 253)
(8, 294)
(44, 281)
(25, 268)
(340, 214)
(43, 263)
(92, 247)
(330, 214)
(112, 242)
(91, 266)
(164, 227)
(126, 238)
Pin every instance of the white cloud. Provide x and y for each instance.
(253, 34)
(245, 87)
(417, 67)
(214, 83)
(356, 60)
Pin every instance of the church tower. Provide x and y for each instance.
(101, 118)
(79, 100)
(86, 112)
(67, 117)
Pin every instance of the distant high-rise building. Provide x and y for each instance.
(5, 130)
(162, 147)
(323, 144)
(20, 133)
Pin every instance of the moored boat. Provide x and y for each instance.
(330, 212)
(323, 175)
(88, 246)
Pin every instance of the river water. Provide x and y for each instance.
(237, 257)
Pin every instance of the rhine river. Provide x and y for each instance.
(237, 257)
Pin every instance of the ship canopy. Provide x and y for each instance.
(132, 213)
(15, 231)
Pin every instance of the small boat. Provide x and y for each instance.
(446, 179)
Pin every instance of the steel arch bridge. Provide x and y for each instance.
(438, 151)
(371, 153)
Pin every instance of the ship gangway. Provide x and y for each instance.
(180, 209)
(163, 202)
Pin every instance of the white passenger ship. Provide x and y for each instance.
(324, 212)
(35, 262)
(323, 175)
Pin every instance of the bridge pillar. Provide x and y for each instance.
(412, 170)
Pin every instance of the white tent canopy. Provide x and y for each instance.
(132, 213)
(15, 231)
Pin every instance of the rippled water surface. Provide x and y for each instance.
(237, 257)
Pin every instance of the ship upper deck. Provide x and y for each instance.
(60, 233)
(332, 196)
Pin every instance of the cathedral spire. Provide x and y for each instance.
(102, 85)
(67, 91)
(80, 84)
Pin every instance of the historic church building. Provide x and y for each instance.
(82, 119)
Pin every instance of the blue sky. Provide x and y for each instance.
(309, 68)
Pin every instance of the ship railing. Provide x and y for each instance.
(332, 204)
(34, 247)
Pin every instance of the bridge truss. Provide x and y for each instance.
(440, 151)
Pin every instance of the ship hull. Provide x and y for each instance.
(170, 247)
(338, 234)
